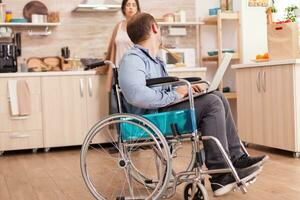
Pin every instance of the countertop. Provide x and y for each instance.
(82, 73)
(268, 63)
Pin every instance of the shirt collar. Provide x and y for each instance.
(146, 52)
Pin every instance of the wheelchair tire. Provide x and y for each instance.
(200, 193)
(138, 169)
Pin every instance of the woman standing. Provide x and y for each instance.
(120, 42)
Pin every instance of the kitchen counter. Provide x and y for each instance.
(269, 63)
(36, 74)
(91, 72)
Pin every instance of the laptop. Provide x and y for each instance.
(217, 77)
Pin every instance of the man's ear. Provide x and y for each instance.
(154, 28)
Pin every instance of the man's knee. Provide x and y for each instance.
(211, 102)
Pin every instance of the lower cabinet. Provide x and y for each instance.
(266, 104)
(63, 109)
(71, 105)
(21, 132)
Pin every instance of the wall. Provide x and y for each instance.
(254, 31)
(87, 34)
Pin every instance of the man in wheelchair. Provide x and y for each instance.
(213, 114)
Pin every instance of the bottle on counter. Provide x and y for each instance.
(24, 67)
(2, 11)
(8, 16)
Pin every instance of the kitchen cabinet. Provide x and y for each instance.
(64, 106)
(71, 105)
(267, 105)
(21, 132)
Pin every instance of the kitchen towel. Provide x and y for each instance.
(13, 97)
(23, 94)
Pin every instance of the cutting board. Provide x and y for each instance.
(34, 7)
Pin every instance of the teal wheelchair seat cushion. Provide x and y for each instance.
(183, 119)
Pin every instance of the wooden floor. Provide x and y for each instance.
(56, 176)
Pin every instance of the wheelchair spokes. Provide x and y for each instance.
(132, 170)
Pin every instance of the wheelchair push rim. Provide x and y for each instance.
(124, 167)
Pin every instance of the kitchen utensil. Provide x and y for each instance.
(34, 7)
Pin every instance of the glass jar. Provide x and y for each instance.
(226, 5)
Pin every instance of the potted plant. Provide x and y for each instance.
(290, 13)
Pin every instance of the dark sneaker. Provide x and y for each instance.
(224, 183)
(245, 161)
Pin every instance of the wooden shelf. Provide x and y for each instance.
(230, 95)
(29, 24)
(180, 23)
(212, 20)
(235, 56)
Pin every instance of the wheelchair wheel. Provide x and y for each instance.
(199, 193)
(136, 169)
(185, 157)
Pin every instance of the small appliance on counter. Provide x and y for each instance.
(9, 52)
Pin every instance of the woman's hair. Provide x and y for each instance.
(124, 2)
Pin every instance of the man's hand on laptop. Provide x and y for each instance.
(197, 88)
(182, 91)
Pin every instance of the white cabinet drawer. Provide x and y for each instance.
(32, 122)
(21, 140)
(34, 85)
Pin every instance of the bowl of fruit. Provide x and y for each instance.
(262, 57)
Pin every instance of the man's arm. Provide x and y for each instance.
(132, 79)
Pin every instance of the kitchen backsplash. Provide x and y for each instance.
(86, 34)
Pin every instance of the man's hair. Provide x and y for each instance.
(123, 7)
(139, 27)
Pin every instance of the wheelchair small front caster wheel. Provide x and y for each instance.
(199, 193)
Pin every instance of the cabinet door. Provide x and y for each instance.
(97, 102)
(244, 104)
(64, 110)
(278, 110)
(97, 99)
(257, 117)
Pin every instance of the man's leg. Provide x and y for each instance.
(233, 139)
(210, 116)
(239, 158)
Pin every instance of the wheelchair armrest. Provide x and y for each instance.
(162, 80)
(193, 79)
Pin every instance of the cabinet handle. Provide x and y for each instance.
(22, 136)
(81, 87)
(90, 87)
(19, 118)
(258, 81)
(264, 85)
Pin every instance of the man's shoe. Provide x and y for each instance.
(245, 161)
(224, 183)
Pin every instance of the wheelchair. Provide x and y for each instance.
(148, 157)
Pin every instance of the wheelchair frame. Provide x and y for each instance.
(194, 174)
